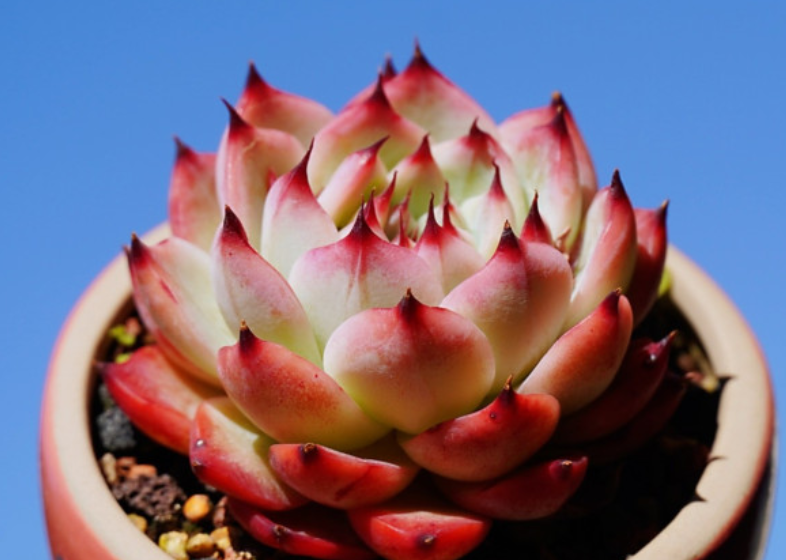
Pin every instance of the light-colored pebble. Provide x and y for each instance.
(200, 546)
(197, 507)
(174, 544)
(109, 467)
(138, 521)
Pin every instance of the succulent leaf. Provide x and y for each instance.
(341, 480)
(358, 272)
(293, 222)
(489, 442)
(174, 295)
(608, 250)
(312, 530)
(359, 126)
(519, 300)
(230, 453)
(411, 366)
(159, 399)
(249, 290)
(194, 212)
(582, 363)
(419, 526)
(265, 106)
(650, 260)
(533, 492)
(291, 399)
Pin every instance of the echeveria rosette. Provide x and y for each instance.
(369, 324)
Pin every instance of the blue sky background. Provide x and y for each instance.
(687, 101)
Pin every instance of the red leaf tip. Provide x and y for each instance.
(253, 79)
(236, 122)
(232, 225)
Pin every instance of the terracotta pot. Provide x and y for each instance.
(85, 522)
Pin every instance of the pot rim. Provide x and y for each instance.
(741, 452)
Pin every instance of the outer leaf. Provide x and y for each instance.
(174, 296)
(583, 362)
(312, 531)
(290, 398)
(228, 452)
(158, 398)
(533, 492)
(419, 526)
(332, 478)
(487, 443)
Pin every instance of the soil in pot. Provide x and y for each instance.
(619, 508)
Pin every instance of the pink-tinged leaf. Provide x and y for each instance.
(340, 480)
(546, 163)
(533, 492)
(452, 259)
(383, 203)
(358, 127)
(372, 220)
(419, 176)
(312, 531)
(519, 301)
(520, 125)
(608, 250)
(419, 526)
(487, 215)
(358, 272)
(357, 176)
(411, 366)
(639, 377)
(173, 293)
(291, 399)
(468, 165)
(246, 158)
(535, 229)
(587, 177)
(582, 363)
(384, 74)
(650, 260)
(293, 221)
(248, 289)
(264, 106)
(194, 212)
(643, 427)
(159, 399)
(423, 95)
(229, 453)
(487, 443)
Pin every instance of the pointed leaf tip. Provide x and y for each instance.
(254, 78)
(232, 225)
(236, 122)
(246, 338)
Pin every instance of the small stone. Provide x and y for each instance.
(152, 496)
(174, 544)
(138, 521)
(139, 471)
(115, 430)
(197, 507)
(123, 465)
(222, 537)
(200, 546)
(109, 467)
(220, 513)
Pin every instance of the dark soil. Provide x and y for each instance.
(619, 508)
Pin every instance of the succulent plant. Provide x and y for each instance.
(381, 330)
